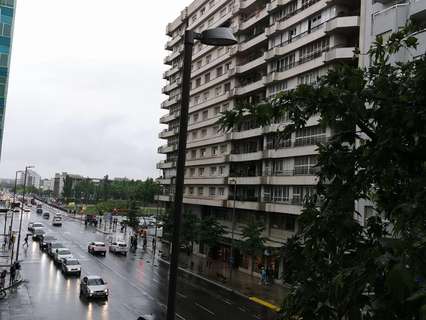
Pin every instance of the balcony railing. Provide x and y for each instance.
(298, 171)
(304, 141)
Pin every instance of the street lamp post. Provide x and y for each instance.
(214, 37)
(11, 219)
(22, 210)
(232, 259)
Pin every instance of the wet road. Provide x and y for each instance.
(137, 285)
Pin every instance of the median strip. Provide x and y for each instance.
(265, 304)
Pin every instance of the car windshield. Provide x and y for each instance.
(95, 282)
(35, 225)
(72, 262)
(66, 251)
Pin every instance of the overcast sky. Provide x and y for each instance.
(85, 87)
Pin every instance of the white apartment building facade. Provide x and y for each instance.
(282, 43)
(33, 179)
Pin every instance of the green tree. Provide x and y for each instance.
(68, 188)
(253, 243)
(336, 268)
(210, 231)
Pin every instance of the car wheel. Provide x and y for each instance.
(125, 254)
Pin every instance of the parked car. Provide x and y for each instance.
(52, 246)
(97, 247)
(46, 215)
(33, 225)
(61, 253)
(118, 247)
(38, 233)
(71, 266)
(39, 210)
(27, 210)
(57, 220)
(94, 287)
(45, 240)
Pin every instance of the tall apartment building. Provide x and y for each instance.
(33, 179)
(282, 43)
(7, 8)
(382, 18)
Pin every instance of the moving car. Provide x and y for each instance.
(71, 266)
(33, 225)
(27, 210)
(118, 247)
(45, 240)
(52, 246)
(94, 287)
(62, 253)
(39, 210)
(38, 233)
(57, 220)
(96, 247)
(46, 215)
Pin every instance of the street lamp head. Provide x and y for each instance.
(217, 37)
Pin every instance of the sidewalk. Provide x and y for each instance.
(271, 295)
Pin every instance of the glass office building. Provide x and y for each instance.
(7, 8)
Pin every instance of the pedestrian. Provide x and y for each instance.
(3, 279)
(153, 242)
(144, 242)
(263, 276)
(12, 273)
(26, 241)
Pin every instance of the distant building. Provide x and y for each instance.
(59, 180)
(33, 179)
(121, 179)
(47, 184)
(7, 8)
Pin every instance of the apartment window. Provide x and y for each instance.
(197, 82)
(214, 150)
(211, 3)
(310, 135)
(223, 148)
(212, 191)
(305, 165)
(210, 21)
(202, 152)
(225, 106)
(207, 77)
(218, 90)
(199, 46)
(222, 12)
(284, 63)
(4, 58)
(216, 110)
(291, 34)
(312, 50)
(219, 71)
(196, 99)
(205, 114)
(201, 27)
(278, 87)
(191, 190)
(208, 58)
(194, 135)
(195, 117)
(191, 172)
(200, 191)
(199, 64)
(227, 87)
(228, 66)
(215, 130)
(221, 170)
(194, 18)
(202, 11)
(213, 171)
(193, 154)
(313, 22)
(221, 191)
(206, 95)
(201, 172)
(203, 132)
(308, 77)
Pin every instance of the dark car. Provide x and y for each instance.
(45, 240)
(46, 215)
(52, 246)
(39, 210)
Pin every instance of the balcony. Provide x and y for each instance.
(418, 10)
(244, 4)
(210, 83)
(238, 135)
(205, 180)
(168, 133)
(164, 181)
(251, 64)
(167, 148)
(274, 4)
(251, 156)
(167, 88)
(174, 55)
(390, 18)
(254, 19)
(172, 71)
(210, 102)
(169, 44)
(166, 164)
(252, 42)
(342, 23)
(251, 87)
(169, 117)
(169, 102)
(339, 54)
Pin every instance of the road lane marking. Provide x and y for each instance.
(179, 316)
(242, 309)
(155, 280)
(265, 304)
(181, 295)
(226, 301)
(162, 305)
(205, 309)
